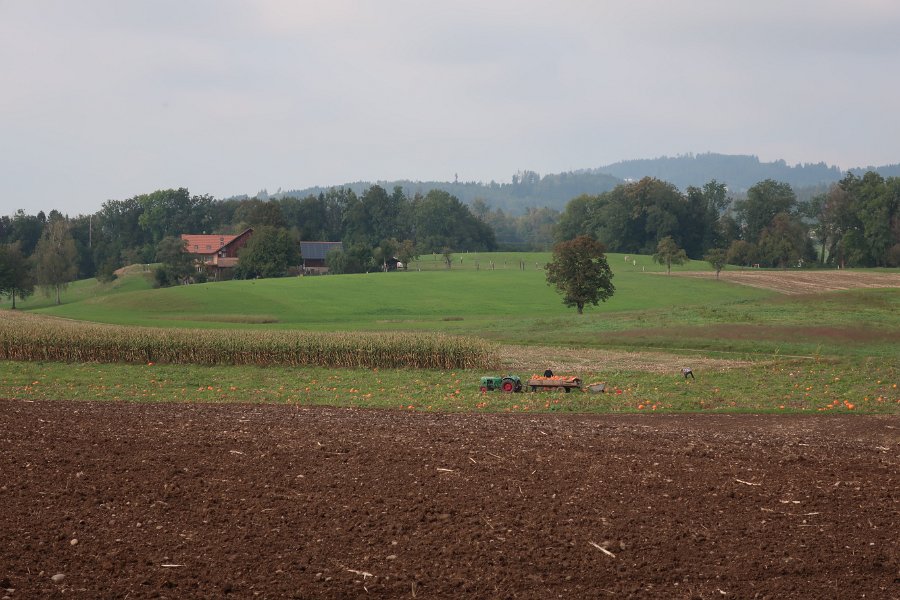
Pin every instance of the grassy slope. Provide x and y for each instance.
(429, 292)
(135, 280)
(354, 301)
(649, 310)
(785, 385)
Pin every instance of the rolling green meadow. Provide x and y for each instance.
(829, 352)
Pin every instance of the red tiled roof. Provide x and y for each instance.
(206, 244)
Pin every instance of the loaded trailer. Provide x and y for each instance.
(558, 383)
(512, 383)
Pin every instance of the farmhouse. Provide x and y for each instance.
(313, 255)
(216, 253)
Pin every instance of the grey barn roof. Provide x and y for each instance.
(318, 250)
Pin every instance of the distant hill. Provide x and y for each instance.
(527, 189)
(738, 172)
(885, 171)
(530, 189)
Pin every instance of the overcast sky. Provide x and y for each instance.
(107, 99)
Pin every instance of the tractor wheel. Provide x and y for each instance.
(483, 390)
(507, 385)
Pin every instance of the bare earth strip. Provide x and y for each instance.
(144, 500)
(803, 282)
(535, 359)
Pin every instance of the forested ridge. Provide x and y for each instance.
(528, 188)
(738, 172)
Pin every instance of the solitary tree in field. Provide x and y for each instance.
(56, 258)
(668, 253)
(447, 253)
(717, 259)
(580, 272)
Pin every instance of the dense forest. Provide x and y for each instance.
(371, 225)
(853, 223)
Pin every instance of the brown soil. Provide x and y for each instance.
(804, 282)
(274, 501)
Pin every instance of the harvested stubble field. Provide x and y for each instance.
(803, 282)
(537, 358)
(144, 500)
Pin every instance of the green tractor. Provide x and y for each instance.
(507, 383)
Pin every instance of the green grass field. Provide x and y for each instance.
(805, 353)
(780, 386)
(461, 299)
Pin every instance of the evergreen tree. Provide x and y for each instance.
(15, 273)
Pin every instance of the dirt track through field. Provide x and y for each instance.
(803, 282)
(535, 359)
(199, 500)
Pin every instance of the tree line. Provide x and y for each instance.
(146, 229)
(856, 223)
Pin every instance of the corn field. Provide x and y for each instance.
(30, 337)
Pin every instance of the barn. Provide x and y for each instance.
(313, 256)
(216, 253)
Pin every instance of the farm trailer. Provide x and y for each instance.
(512, 383)
(557, 382)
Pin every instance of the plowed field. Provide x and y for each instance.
(128, 500)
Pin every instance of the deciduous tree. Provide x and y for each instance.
(355, 258)
(580, 272)
(270, 252)
(668, 253)
(176, 264)
(257, 213)
(742, 253)
(55, 258)
(764, 200)
(447, 254)
(440, 219)
(784, 242)
(717, 259)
